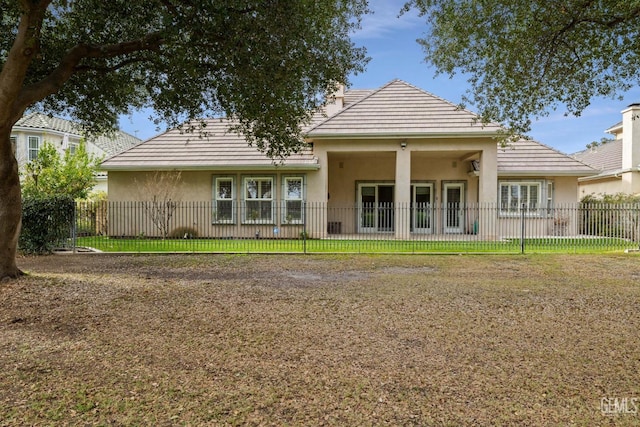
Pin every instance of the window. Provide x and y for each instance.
(14, 144)
(223, 200)
(73, 147)
(258, 200)
(514, 196)
(34, 147)
(293, 195)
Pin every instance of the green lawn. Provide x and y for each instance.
(543, 245)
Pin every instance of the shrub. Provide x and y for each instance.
(183, 233)
(92, 215)
(47, 222)
(611, 215)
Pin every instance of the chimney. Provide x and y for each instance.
(335, 101)
(631, 137)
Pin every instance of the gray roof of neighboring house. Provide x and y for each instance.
(529, 158)
(401, 109)
(110, 144)
(218, 149)
(605, 157)
(616, 127)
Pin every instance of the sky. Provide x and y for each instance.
(391, 44)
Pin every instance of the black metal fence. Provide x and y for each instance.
(297, 227)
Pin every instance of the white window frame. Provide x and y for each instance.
(535, 207)
(287, 218)
(217, 198)
(32, 153)
(265, 201)
(73, 148)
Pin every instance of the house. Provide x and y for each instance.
(395, 160)
(618, 161)
(34, 129)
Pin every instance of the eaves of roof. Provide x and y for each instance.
(614, 128)
(31, 129)
(441, 135)
(542, 172)
(239, 167)
(610, 174)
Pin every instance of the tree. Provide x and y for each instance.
(525, 57)
(159, 195)
(265, 63)
(603, 140)
(52, 175)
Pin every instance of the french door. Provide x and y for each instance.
(375, 208)
(422, 208)
(453, 204)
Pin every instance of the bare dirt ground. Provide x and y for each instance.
(321, 340)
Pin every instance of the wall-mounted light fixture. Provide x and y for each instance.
(403, 144)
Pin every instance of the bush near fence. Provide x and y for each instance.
(615, 215)
(47, 223)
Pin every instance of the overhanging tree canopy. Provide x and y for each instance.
(524, 57)
(264, 62)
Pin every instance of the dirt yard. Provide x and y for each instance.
(321, 340)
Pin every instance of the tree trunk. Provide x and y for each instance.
(10, 207)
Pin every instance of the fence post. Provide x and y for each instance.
(74, 228)
(304, 227)
(522, 229)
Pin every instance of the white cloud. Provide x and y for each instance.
(384, 20)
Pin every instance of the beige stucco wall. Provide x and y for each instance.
(195, 192)
(565, 188)
(628, 182)
(432, 160)
(352, 161)
(128, 186)
(331, 192)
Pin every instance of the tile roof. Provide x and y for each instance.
(222, 149)
(398, 109)
(218, 149)
(605, 157)
(110, 144)
(528, 158)
(354, 95)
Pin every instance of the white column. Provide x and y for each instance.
(316, 196)
(488, 194)
(402, 192)
(631, 137)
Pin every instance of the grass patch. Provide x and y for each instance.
(538, 245)
(332, 340)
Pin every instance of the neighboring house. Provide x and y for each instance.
(34, 129)
(618, 161)
(373, 152)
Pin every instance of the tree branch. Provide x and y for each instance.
(24, 48)
(105, 70)
(69, 65)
